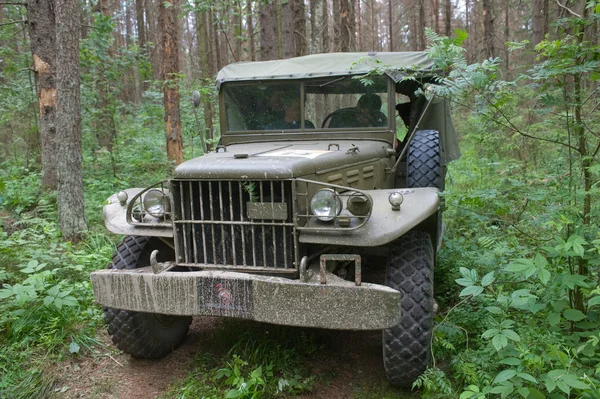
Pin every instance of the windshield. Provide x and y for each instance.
(331, 103)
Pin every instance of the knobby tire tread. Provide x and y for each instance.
(406, 346)
(135, 332)
(424, 167)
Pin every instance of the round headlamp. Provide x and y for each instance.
(325, 205)
(396, 198)
(156, 203)
(359, 204)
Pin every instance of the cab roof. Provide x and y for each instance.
(393, 64)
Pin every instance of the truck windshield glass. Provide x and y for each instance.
(331, 103)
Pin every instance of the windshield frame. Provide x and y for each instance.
(385, 133)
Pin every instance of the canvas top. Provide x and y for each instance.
(395, 65)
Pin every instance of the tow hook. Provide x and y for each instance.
(338, 257)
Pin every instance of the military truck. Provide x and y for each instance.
(317, 208)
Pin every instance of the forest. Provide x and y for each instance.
(96, 97)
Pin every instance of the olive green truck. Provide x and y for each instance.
(319, 207)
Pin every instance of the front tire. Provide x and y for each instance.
(143, 335)
(407, 345)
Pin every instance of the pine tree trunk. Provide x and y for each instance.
(537, 24)
(359, 28)
(313, 27)
(326, 43)
(205, 56)
(42, 31)
(448, 15)
(250, 26)
(390, 26)
(269, 36)
(287, 31)
(300, 45)
(170, 70)
(488, 29)
(71, 207)
(436, 16)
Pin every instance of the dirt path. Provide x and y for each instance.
(349, 366)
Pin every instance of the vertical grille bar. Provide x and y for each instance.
(232, 218)
(184, 217)
(202, 218)
(263, 237)
(221, 210)
(284, 231)
(192, 210)
(212, 225)
(273, 228)
(243, 226)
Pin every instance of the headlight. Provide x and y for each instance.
(359, 204)
(325, 205)
(156, 203)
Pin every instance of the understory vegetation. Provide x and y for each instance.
(517, 279)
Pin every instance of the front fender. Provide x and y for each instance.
(115, 219)
(385, 224)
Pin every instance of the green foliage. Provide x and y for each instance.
(262, 362)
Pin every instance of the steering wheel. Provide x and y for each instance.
(352, 113)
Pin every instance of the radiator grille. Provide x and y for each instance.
(215, 230)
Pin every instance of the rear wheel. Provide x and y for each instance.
(144, 335)
(407, 345)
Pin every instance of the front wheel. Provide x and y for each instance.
(143, 335)
(407, 345)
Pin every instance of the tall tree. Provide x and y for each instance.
(250, 27)
(448, 16)
(539, 21)
(205, 56)
(269, 35)
(169, 76)
(488, 28)
(71, 207)
(42, 31)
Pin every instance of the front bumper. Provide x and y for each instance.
(339, 304)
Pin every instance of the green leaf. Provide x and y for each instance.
(573, 315)
(594, 301)
(490, 333)
(553, 319)
(499, 341)
(544, 276)
(535, 394)
(74, 347)
(48, 300)
(465, 282)
(494, 310)
(505, 375)
(6, 293)
(510, 334)
(572, 381)
(472, 290)
(488, 279)
(511, 361)
(520, 265)
(527, 377)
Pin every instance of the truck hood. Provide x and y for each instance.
(281, 160)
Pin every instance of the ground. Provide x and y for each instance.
(348, 365)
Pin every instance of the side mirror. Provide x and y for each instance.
(196, 98)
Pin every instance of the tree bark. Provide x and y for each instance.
(71, 206)
(169, 71)
(269, 36)
(250, 26)
(326, 43)
(42, 31)
(390, 26)
(287, 29)
(488, 29)
(421, 25)
(300, 45)
(348, 33)
(205, 65)
(436, 16)
(537, 23)
(448, 15)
